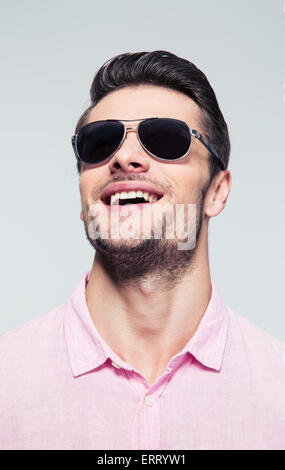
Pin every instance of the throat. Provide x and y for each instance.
(149, 285)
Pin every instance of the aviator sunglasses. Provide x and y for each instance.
(166, 139)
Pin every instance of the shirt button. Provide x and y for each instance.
(116, 365)
(148, 400)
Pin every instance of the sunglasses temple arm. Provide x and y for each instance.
(209, 147)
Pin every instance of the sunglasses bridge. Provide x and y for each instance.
(193, 133)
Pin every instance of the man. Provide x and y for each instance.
(145, 354)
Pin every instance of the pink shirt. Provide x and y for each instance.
(62, 387)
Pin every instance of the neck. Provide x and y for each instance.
(148, 322)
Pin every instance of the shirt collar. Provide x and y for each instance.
(87, 350)
(208, 343)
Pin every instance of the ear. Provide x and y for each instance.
(218, 193)
(81, 216)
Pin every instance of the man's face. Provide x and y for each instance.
(178, 182)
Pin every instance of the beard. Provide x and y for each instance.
(131, 262)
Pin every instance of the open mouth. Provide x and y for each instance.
(123, 198)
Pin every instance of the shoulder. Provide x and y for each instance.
(32, 337)
(33, 359)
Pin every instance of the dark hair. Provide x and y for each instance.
(163, 68)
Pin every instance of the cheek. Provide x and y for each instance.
(185, 181)
(82, 188)
(85, 188)
(89, 181)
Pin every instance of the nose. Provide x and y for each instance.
(130, 157)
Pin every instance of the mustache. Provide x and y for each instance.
(163, 187)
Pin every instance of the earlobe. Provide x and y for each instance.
(214, 208)
(81, 216)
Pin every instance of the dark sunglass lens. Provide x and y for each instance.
(98, 140)
(165, 138)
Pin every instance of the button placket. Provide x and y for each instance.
(148, 400)
(150, 430)
(146, 426)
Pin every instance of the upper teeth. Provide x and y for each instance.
(130, 195)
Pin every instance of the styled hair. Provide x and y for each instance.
(165, 69)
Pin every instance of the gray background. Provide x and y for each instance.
(50, 52)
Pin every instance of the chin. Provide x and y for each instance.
(118, 246)
(124, 242)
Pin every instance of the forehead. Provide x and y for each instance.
(143, 101)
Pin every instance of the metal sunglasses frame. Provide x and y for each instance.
(192, 132)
